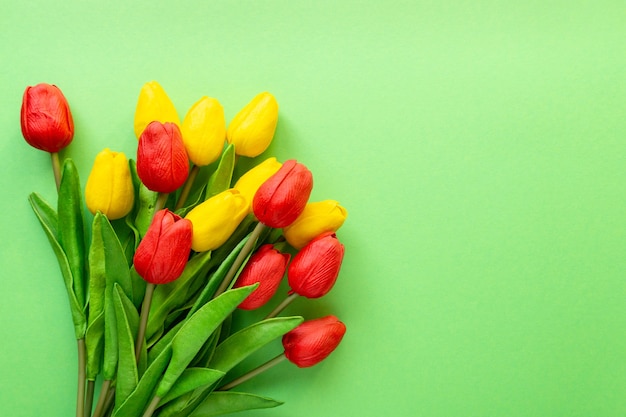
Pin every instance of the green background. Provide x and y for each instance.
(479, 147)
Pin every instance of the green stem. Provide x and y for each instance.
(282, 305)
(80, 396)
(153, 406)
(56, 169)
(240, 258)
(187, 187)
(109, 404)
(267, 365)
(161, 200)
(143, 320)
(89, 397)
(106, 384)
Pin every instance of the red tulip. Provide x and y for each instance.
(312, 341)
(315, 268)
(267, 267)
(46, 118)
(281, 199)
(162, 163)
(162, 254)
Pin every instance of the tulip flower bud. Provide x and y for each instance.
(154, 104)
(163, 252)
(204, 131)
(46, 118)
(109, 186)
(162, 163)
(315, 268)
(282, 198)
(216, 219)
(317, 218)
(250, 182)
(267, 267)
(252, 129)
(312, 341)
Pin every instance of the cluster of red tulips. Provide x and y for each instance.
(176, 247)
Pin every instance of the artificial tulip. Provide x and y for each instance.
(317, 218)
(282, 198)
(162, 163)
(163, 252)
(267, 267)
(312, 341)
(252, 129)
(46, 118)
(315, 268)
(109, 186)
(154, 104)
(204, 131)
(249, 183)
(216, 219)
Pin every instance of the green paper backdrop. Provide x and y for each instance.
(479, 147)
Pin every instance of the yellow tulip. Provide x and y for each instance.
(216, 219)
(154, 105)
(109, 187)
(252, 129)
(317, 218)
(252, 180)
(204, 131)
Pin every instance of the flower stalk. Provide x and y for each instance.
(280, 307)
(267, 365)
(80, 396)
(143, 319)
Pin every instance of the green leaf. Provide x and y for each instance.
(139, 399)
(195, 332)
(221, 178)
(247, 341)
(71, 229)
(163, 343)
(46, 216)
(217, 278)
(219, 403)
(116, 272)
(127, 373)
(94, 345)
(145, 211)
(169, 297)
(205, 354)
(94, 339)
(191, 379)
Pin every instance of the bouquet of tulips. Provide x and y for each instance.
(175, 248)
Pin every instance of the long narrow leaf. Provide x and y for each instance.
(127, 374)
(221, 178)
(44, 214)
(138, 400)
(195, 332)
(191, 379)
(71, 228)
(170, 296)
(220, 403)
(247, 341)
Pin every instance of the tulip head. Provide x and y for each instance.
(317, 218)
(282, 198)
(46, 119)
(153, 104)
(252, 129)
(315, 268)
(162, 163)
(250, 182)
(109, 187)
(267, 267)
(204, 131)
(216, 219)
(312, 341)
(163, 252)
